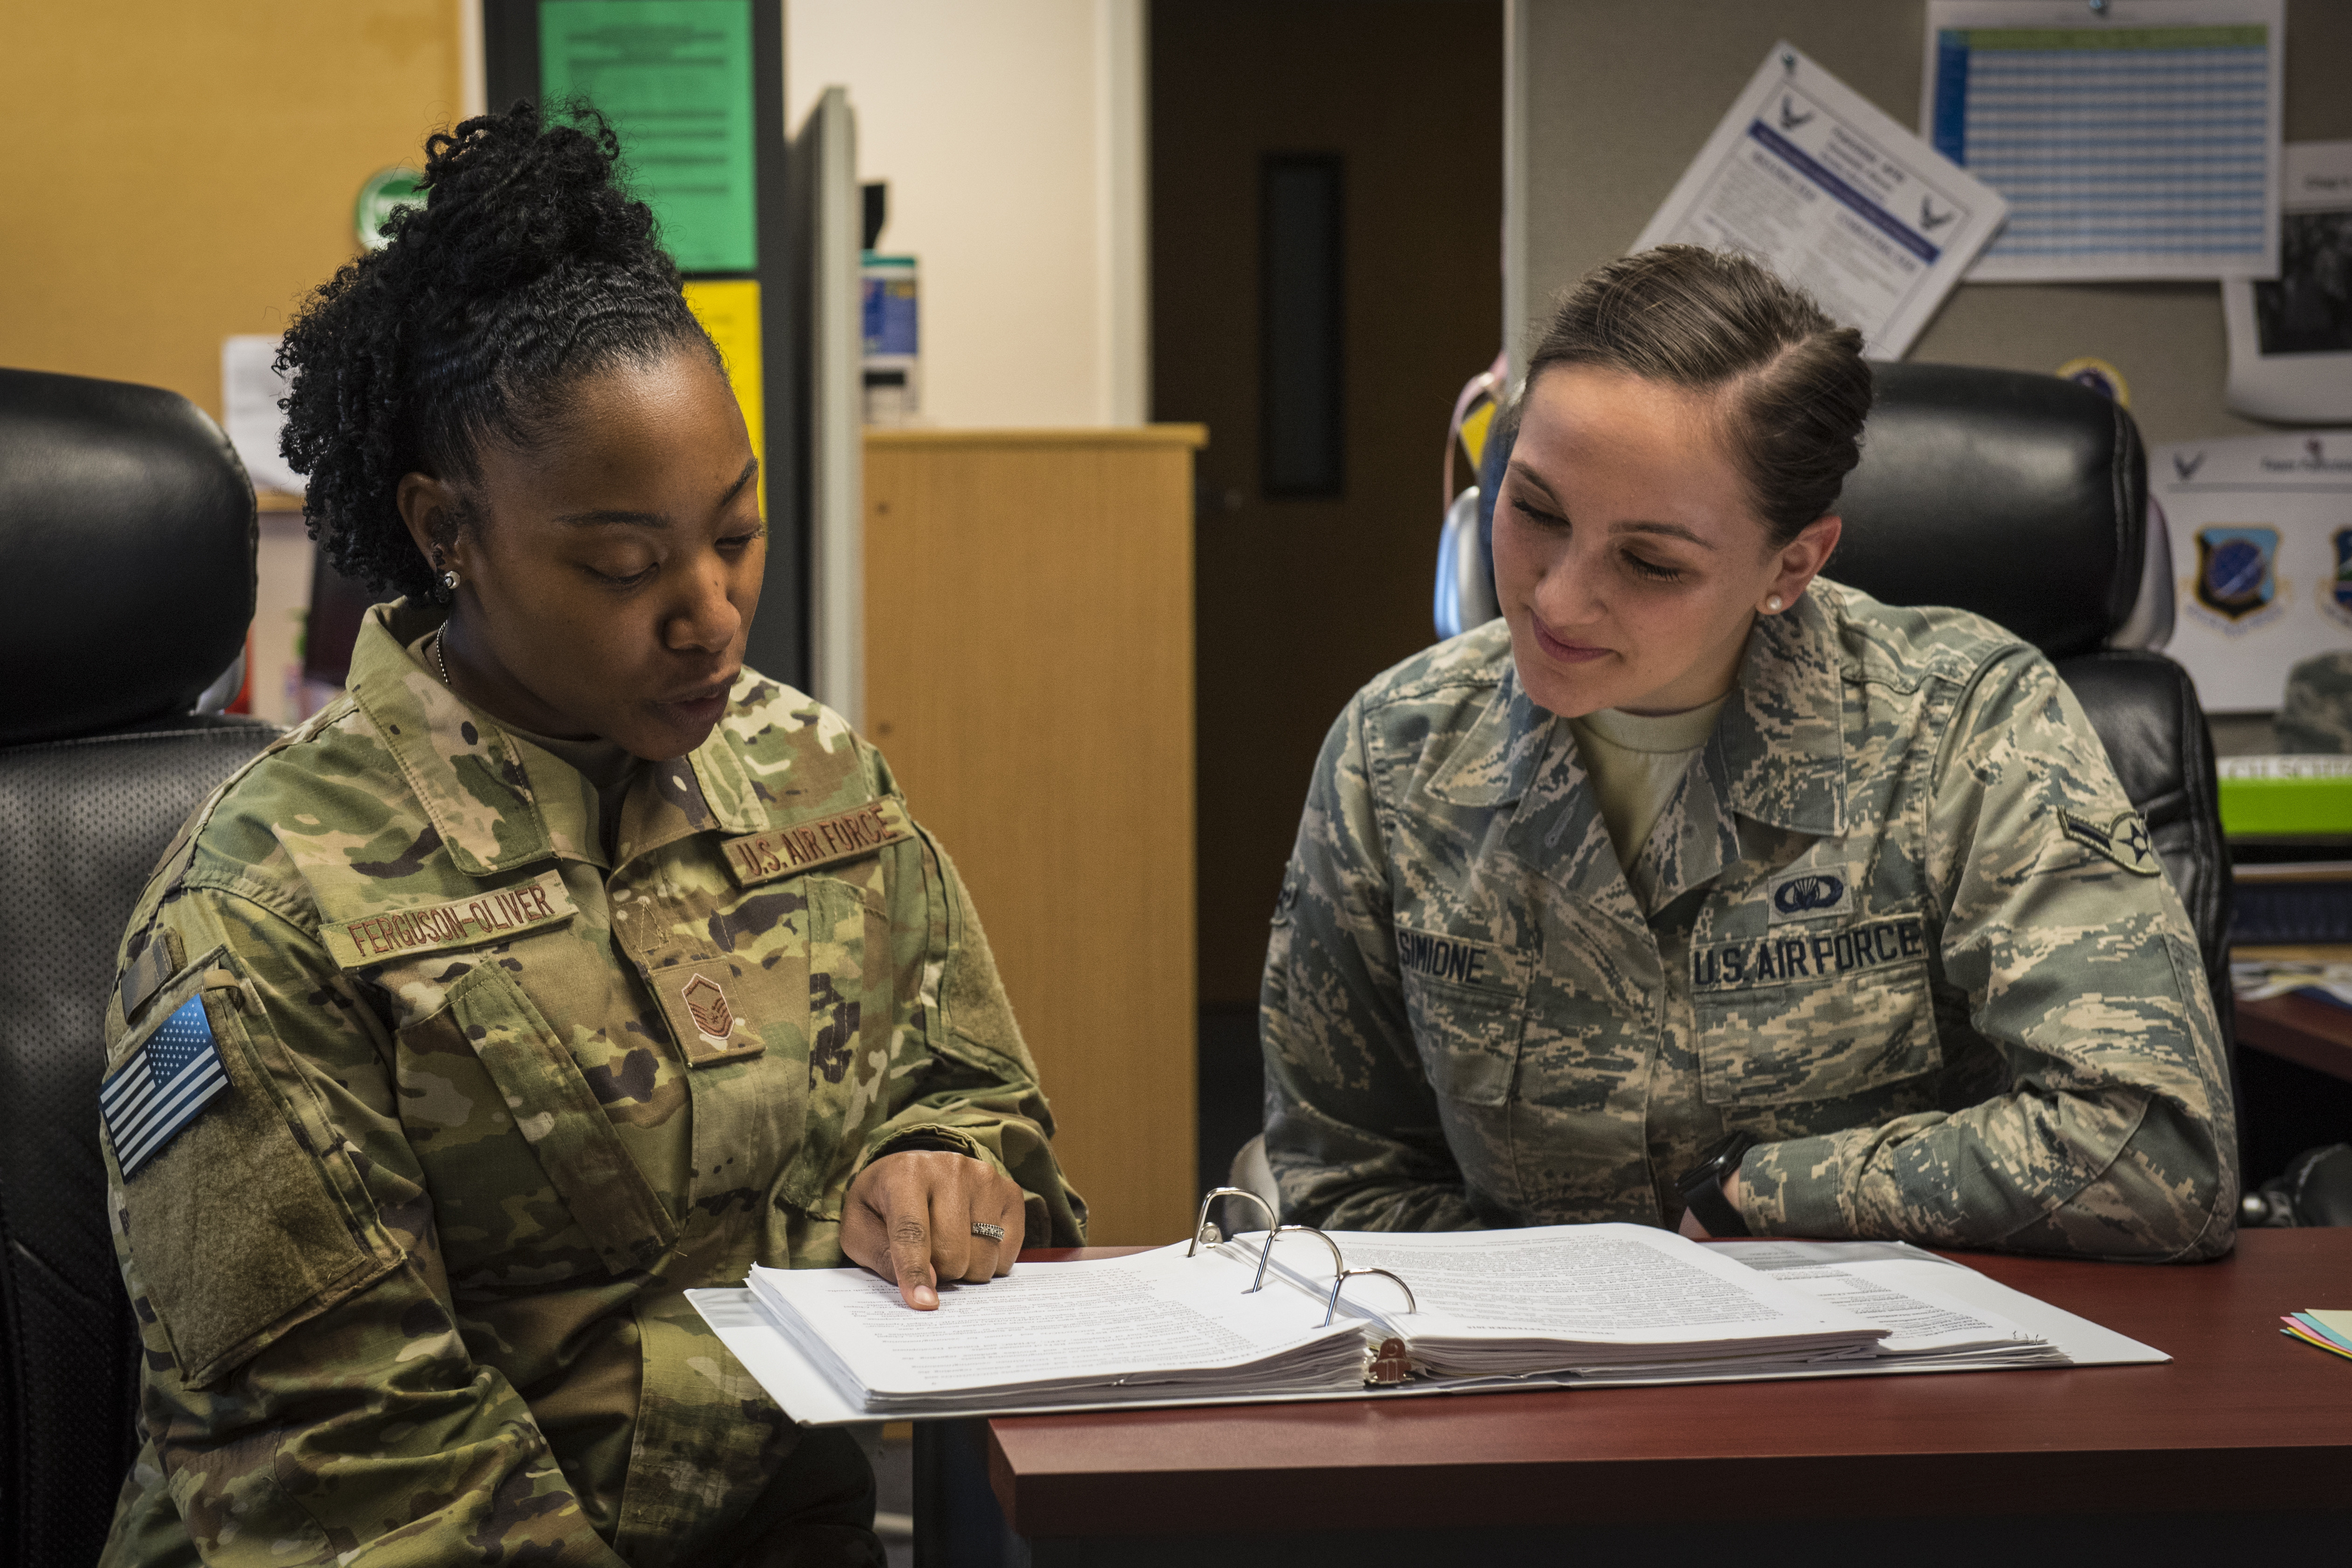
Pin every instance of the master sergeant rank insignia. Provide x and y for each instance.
(702, 1016)
(706, 1003)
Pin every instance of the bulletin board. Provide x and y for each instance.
(1607, 101)
(696, 88)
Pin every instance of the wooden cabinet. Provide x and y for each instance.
(1029, 676)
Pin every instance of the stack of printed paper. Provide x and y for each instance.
(1557, 1305)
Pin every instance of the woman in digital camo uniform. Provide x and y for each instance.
(561, 966)
(1699, 890)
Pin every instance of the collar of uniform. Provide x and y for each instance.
(1783, 743)
(1499, 757)
(462, 769)
(766, 763)
(725, 775)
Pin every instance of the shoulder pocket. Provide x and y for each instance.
(237, 1231)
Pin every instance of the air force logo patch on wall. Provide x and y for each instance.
(2336, 590)
(1809, 895)
(2237, 585)
(175, 1072)
(2123, 839)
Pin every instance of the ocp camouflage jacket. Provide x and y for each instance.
(1898, 921)
(413, 1282)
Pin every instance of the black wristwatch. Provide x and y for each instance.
(1702, 1186)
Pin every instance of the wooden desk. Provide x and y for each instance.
(2307, 1033)
(2243, 1441)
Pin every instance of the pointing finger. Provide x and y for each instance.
(910, 1252)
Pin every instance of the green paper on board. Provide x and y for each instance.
(675, 78)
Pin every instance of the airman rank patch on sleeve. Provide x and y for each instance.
(2123, 839)
(759, 857)
(389, 936)
(159, 1088)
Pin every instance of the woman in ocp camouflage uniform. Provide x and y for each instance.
(1701, 890)
(563, 965)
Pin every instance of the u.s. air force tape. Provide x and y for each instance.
(389, 936)
(1778, 960)
(759, 857)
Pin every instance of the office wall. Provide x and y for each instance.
(1614, 98)
(1010, 134)
(181, 170)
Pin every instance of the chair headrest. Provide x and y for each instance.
(127, 524)
(2020, 496)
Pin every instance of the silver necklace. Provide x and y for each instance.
(440, 660)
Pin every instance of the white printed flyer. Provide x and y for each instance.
(1818, 184)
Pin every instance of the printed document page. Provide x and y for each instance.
(1579, 1298)
(2139, 139)
(1903, 1289)
(1821, 186)
(1151, 1318)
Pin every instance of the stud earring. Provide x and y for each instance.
(449, 582)
(1771, 605)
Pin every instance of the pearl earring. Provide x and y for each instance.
(1773, 604)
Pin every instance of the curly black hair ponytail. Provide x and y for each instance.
(525, 268)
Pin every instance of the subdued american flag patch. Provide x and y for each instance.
(171, 1076)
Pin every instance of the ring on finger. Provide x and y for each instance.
(993, 1232)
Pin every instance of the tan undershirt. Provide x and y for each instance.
(1635, 761)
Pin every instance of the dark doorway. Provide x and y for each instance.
(1313, 162)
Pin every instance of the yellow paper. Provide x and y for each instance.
(1475, 426)
(729, 312)
(2337, 1322)
(2296, 1332)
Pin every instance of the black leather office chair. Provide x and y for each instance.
(127, 525)
(2024, 499)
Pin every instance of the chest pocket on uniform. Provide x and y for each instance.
(1813, 1014)
(850, 1009)
(1466, 1001)
(481, 1188)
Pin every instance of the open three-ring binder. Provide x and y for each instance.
(1389, 1362)
(1294, 1312)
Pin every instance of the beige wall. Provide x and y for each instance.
(181, 170)
(1011, 133)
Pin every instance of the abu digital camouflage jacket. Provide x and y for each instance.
(1898, 921)
(412, 1284)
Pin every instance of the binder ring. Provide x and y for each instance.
(1202, 1224)
(1333, 1311)
(1265, 1254)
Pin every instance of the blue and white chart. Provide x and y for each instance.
(2141, 141)
(1820, 184)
